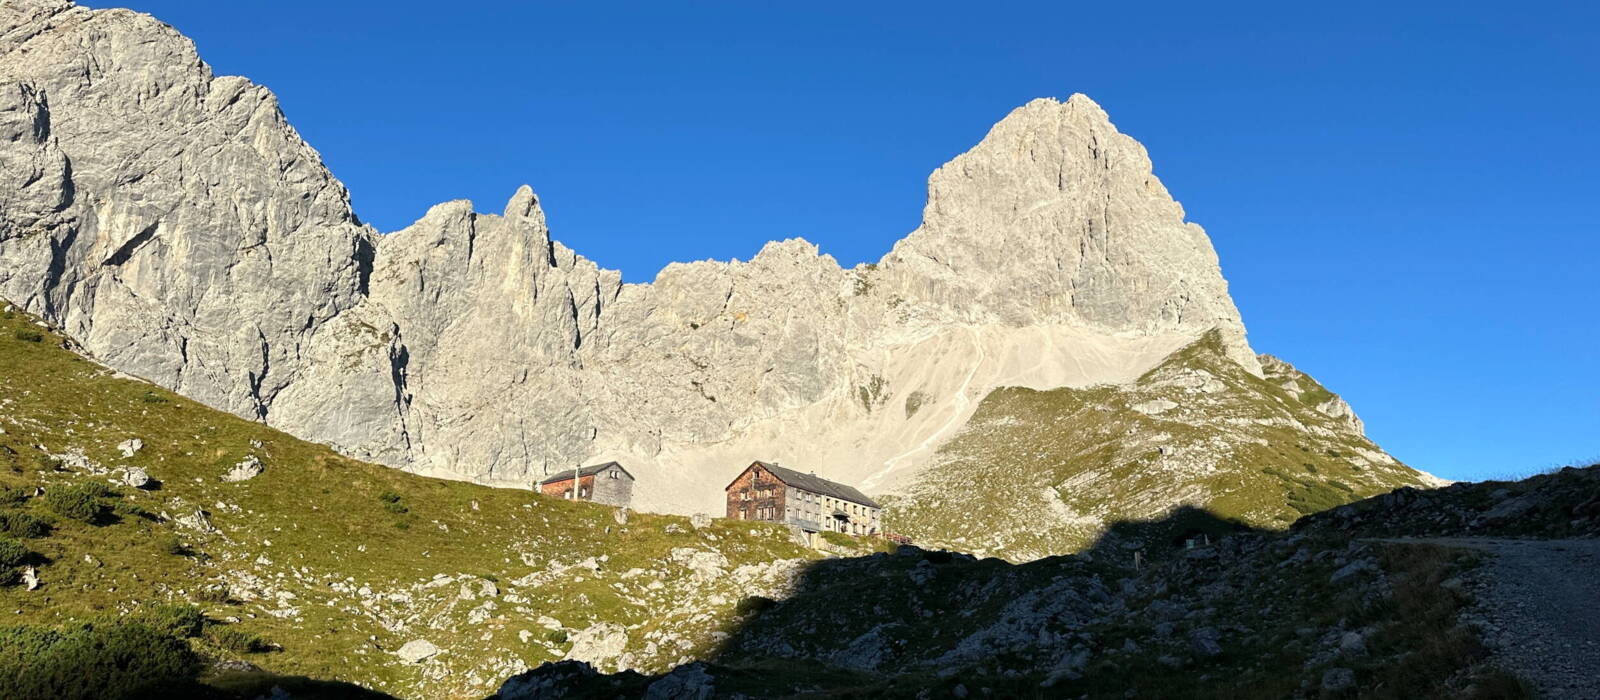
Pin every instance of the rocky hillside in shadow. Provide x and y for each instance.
(1191, 605)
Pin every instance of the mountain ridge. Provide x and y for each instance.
(182, 231)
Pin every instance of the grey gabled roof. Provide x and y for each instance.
(566, 474)
(817, 484)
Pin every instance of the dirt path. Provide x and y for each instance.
(1539, 601)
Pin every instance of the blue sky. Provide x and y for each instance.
(1403, 195)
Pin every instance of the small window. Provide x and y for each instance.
(615, 474)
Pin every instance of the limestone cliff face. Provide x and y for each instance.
(175, 223)
(1057, 218)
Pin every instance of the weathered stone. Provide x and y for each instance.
(1204, 642)
(417, 650)
(1351, 569)
(706, 565)
(1155, 406)
(1353, 644)
(687, 682)
(599, 644)
(199, 521)
(136, 478)
(1337, 680)
(130, 447)
(1509, 510)
(549, 681)
(247, 469)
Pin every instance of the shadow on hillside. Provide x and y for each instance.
(876, 625)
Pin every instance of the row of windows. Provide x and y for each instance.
(848, 528)
(761, 513)
(829, 502)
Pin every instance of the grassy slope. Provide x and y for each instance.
(1036, 473)
(297, 544)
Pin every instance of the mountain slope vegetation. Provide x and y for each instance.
(1039, 473)
(326, 567)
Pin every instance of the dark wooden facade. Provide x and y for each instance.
(772, 493)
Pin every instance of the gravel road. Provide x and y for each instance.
(1539, 606)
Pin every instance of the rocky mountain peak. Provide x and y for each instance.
(1056, 217)
(176, 225)
(524, 204)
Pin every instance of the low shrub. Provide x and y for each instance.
(238, 641)
(754, 604)
(121, 659)
(389, 497)
(79, 502)
(28, 335)
(396, 508)
(838, 539)
(215, 594)
(170, 544)
(182, 621)
(23, 525)
(131, 510)
(13, 554)
(14, 495)
(556, 636)
(96, 489)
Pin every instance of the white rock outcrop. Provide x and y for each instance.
(417, 651)
(176, 225)
(136, 477)
(599, 644)
(247, 469)
(199, 521)
(130, 447)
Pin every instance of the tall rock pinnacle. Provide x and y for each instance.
(1056, 217)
